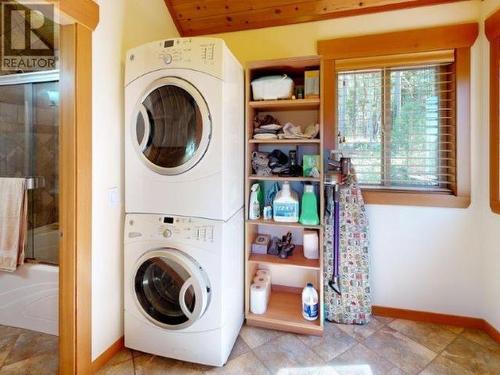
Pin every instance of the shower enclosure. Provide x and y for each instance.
(29, 144)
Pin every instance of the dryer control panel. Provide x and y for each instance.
(200, 54)
(157, 227)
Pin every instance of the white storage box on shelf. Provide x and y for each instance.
(272, 88)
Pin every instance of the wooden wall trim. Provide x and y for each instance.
(492, 331)
(83, 12)
(411, 41)
(75, 201)
(67, 197)
(423, 199)
(463, 118)
(492, 29)
(109, 353)
(438, 318)
(492, 26)
(494, 125)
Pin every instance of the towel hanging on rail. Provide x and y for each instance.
(13, 222)
(351, 302)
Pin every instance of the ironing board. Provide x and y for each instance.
(353, 304)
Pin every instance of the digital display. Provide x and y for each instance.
(168, 220)
(168, 43)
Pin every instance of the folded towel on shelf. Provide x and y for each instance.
(291, 131)
(267, 125)
(265, 136)
(260, 163)
(13, 222)
(264, 131)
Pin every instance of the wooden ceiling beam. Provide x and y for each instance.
(197, 17)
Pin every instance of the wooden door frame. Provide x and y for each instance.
(75, 171)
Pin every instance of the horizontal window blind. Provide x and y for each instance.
(398, 125)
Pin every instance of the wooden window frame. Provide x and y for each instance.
(458, 38)
(492, 29)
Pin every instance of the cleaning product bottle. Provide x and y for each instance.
(286, 205)
(310, 304)
(309, 210)
(254, 204)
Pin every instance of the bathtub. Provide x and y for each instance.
(46, 242)
(29, 298)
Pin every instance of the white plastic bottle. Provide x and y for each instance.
(310, 303)
(254, 206)
(286, 205)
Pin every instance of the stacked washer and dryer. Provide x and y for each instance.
(183, 256)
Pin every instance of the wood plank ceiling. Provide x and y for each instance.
(201, 17)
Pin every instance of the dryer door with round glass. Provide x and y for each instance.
(170, 288)
(171, 126)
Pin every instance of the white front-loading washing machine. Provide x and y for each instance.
(183, 286)
(184, 134)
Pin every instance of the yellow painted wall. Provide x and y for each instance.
(422, 257)
(300, 39)
(123, 24)
(146, 21)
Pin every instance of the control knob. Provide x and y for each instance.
(167, 233)
(167, 59)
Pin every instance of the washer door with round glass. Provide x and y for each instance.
(171, 126)
(170, 288)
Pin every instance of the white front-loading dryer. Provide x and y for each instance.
(184, 124)
(183, 286)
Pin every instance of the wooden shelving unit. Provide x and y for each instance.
(280, 178)
(284, 311)
(296, 260)
(282, 314)
(284, 225)
(283, 105)
(285, 141)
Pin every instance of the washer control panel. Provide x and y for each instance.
(168, 227)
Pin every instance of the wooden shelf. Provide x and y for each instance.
(286, 104)
(286, 141)
(296, 260)
(280, 224)
(284, 313)
(281, 178)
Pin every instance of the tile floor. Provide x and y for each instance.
(24, 352)
(384, 346)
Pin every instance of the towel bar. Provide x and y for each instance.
(35, 182)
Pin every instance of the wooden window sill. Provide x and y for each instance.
(405, 198)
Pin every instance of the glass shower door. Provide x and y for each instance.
(29, 127)
(45, 164)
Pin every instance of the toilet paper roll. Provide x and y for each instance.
(258, 298)
(264, 280)
(311, 244)
(263, 272)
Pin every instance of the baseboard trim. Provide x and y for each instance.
(109, 353)
(492, 331)
(437, 318)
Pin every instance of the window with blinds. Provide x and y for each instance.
(397, 123)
